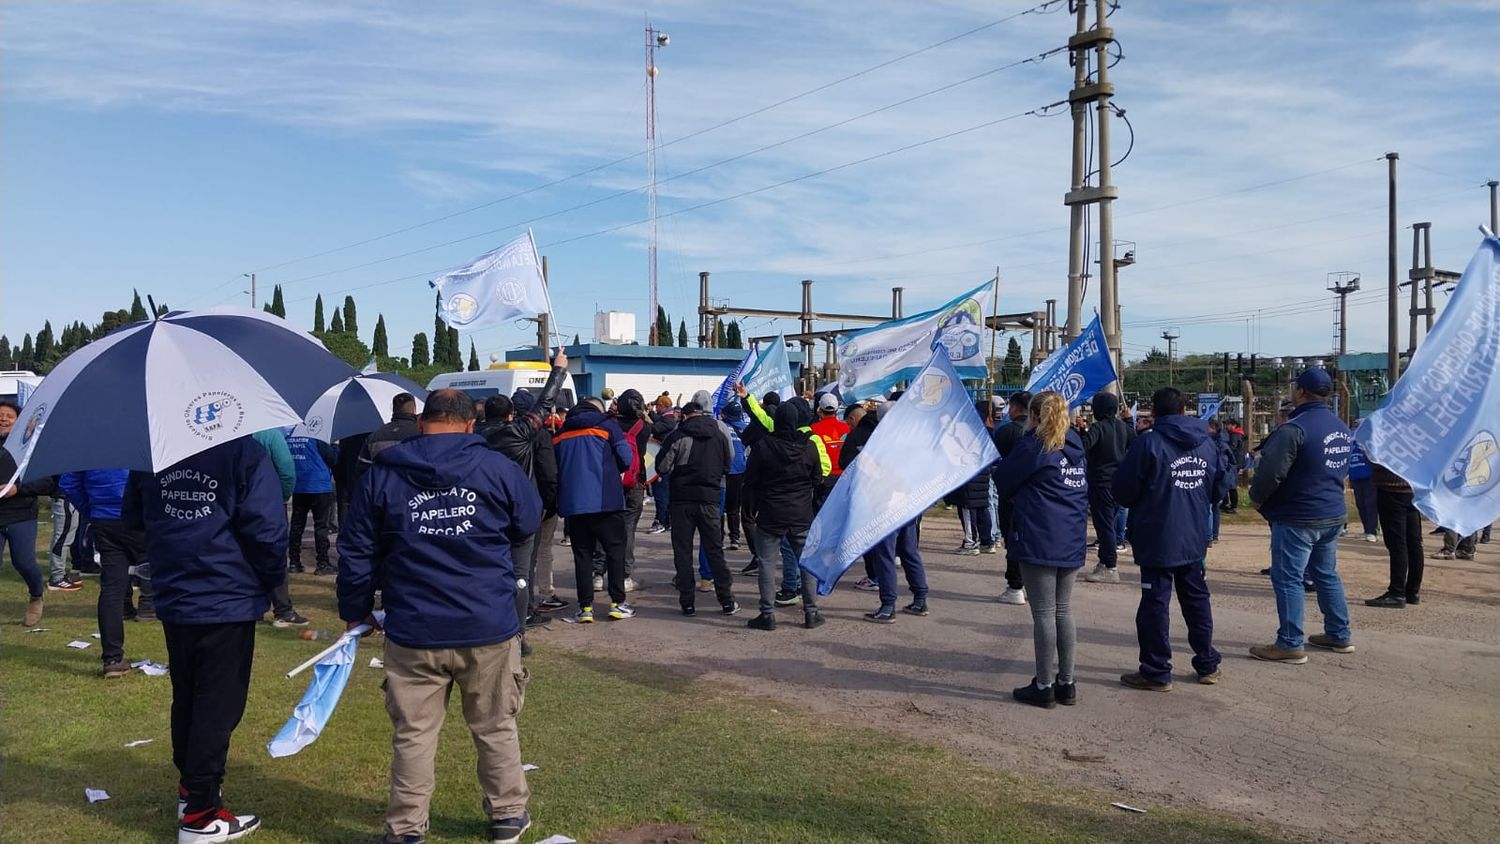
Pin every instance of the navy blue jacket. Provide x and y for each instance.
(1303, 465)
(96, 493)
(314, 460)
(1049, 497)
(216, 533)
(592, 453)
(1169, 478)
(431, 524)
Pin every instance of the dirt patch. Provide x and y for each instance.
(1308, 749)
(655, 833)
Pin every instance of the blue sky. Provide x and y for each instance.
(173, 146)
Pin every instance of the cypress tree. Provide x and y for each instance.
(351, 322)
(318, 324)
(138, 310)
(7, 355)
(337, 326)
(278, 304)
(682, 338)
(473, 357)
(380, 345)
(455, 351)
(27, 358)
(1013, 367)
(732, 334)
(419, 350)
(663, 327)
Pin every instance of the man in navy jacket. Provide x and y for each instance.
(1168, 479)
(432, 525)
(216, 528)
(1299, 488)
(592, 454)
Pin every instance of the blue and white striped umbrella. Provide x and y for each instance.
(156, 392)
(357, 406)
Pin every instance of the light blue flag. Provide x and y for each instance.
(725, 391)
(24, 389)
(1209, 404)
(1439, 428)
(874, 360)
(771, 372)
(929, 443)
(311, 714)
(1078, 370)
(494, 288)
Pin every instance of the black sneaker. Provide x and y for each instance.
(325, 571)
(812, 620)
(1029, 693)
(734, 544)
(764, 621)
(752, 568)
(1065, 693)
(216, 825)
(916, 607)
(296, 568)
(537, 620)
(1389, 601)
(787, 598)
(409, 838)
(884, 615)
(551, 603)
(291, 619)
(147, 613)
(1413, 600)
(1265, 572)
(689, 610)
(509, 830)
(731, 608)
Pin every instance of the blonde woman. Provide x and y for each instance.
(1044, 480)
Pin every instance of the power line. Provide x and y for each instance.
(1039, 8)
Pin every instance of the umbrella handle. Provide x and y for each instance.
(351, 633)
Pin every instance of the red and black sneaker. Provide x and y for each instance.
(214, 825)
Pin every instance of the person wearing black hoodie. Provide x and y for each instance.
(637, 426)
(1006, 437)
(784, 473)
(1104, 444)
(695, 458)
(1168, 479)
(433, 525)
(1045, 479)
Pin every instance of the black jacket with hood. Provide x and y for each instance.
(783, 474)
(402, 426)
(633, 410)
(696, 458)
(1106, 440)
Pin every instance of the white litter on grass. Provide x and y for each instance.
(149, 668)
(558, 839)
(140, 741)
(93, 635)
(38, 630)
(529, 767)
(375, 662)
(80, 645)
(1128, 808)
(95, 794)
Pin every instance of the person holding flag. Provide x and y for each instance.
(433, 525)
(1045, 479)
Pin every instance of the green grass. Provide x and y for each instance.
(619, 745)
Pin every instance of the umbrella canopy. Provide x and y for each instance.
(156, 392)
(357, 406)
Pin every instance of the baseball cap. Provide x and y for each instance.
(828, 401)
(1315, 381)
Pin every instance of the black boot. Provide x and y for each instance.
(764, 621)
(812, 620)
(1029, 693)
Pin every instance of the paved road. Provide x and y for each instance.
(1399, 741)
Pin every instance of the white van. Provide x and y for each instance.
(11, 381)
(505, 378)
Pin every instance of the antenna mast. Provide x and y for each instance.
(654, 39)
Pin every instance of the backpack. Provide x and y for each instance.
(632, 476)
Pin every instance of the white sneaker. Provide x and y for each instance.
(1102, 574)
(225, 827)
(598, 583)
(631, 585)
(1013, 596)
(967, 550)
(1370, 537)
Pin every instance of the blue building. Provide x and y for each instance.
(652, 370)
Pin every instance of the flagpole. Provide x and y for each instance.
(351, 633)
(989, 370)
(546, 289)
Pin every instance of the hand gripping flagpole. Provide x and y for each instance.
(352, 633)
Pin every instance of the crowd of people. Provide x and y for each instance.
(447, 520)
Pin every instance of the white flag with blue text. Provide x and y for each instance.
(1439, 428)
(1078, 370)
(928, 444)
(725, 391)
(496, 287)
(874, 360)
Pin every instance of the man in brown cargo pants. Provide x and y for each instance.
(432, 524)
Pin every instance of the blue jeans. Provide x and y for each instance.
(903, 544)
(791, 569)
(21, 537)
(994, 537)
(1121, 520)
(1313, 550)
(1213, 521)
(662, 493)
